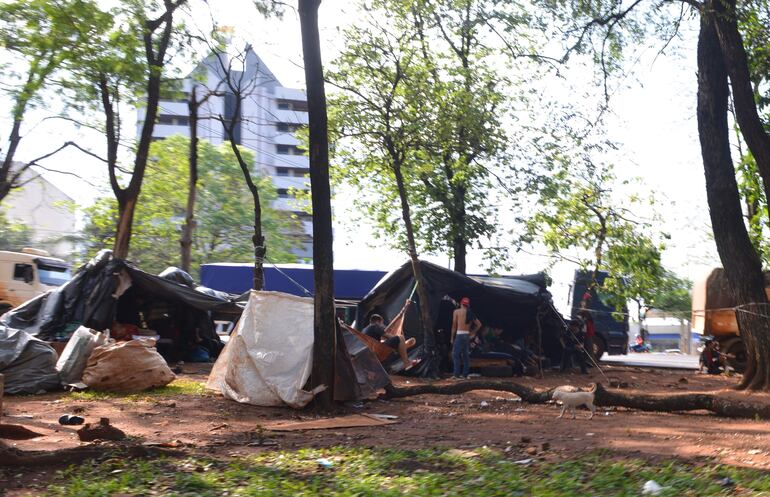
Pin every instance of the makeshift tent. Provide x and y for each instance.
(269, 357)
(521, 307)
(107, 291)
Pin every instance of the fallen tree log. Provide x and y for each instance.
(679, 402)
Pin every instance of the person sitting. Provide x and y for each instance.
(711, 358)
(376, 330)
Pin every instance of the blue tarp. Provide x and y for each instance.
(236, 278)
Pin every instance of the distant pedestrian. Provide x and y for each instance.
(464, 324)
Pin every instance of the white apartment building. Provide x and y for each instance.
(46, 210)
(270, 115)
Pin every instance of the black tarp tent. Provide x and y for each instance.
(106, 290)
(514, 304)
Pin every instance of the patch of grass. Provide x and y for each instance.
(180, 386)
(391, 473)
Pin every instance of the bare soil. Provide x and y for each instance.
(213, 425)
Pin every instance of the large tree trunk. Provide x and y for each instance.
(742, 265)
(126, 208)
(192, 186)
(324, 325)
(746, 113)
(431, 360)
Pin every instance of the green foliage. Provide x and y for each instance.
(180, 386)
(14, 236)
(42, 37)
(390, 473)
(579, 218)
(224, 211)
(420, 89)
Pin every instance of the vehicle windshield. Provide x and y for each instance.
(54, 276)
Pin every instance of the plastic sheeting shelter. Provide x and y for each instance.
(514, 304)
(350, 284)
(29, 364)
(106, 290)
(269, 356)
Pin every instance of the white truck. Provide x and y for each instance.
(27, 274)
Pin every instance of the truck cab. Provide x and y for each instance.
(27, 274)
(611, 326)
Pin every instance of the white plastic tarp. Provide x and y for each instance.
(269, 356)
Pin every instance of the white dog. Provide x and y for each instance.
(573, 399)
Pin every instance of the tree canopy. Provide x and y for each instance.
(223, 212)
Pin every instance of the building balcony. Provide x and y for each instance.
(288, 116)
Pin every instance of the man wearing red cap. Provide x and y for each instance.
(464, 323)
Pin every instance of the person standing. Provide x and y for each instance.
(590, 333)
(464, 324)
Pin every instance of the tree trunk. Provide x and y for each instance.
(741, 263)
(714, 403)
(189, 222)
(431, 360)
(324, 325)
(126, 208)
(5, 170)
(736, 62)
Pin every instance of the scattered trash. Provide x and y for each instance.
(484, 403)
(651, 488)
(101, 431)
(524, 462)
(726, 482)
(219, 427)
(324, 463)
(683, 380)
(545, 446)
(755, 452)
(71, 420)
(383, 416)
(589, 434)
(466, 454)
(532, 451)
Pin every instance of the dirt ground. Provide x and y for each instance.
(214, 425)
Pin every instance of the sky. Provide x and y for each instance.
(652, 118)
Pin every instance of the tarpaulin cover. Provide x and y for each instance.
(269, 356)
(510, 303)
(237, 278)
(90, 298)
(268, 359)
(29, 365)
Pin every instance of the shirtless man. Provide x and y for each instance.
(464, 323)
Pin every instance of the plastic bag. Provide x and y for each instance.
(127, 367)
(29, 365)
(75, 355)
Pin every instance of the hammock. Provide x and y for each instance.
(382, 351)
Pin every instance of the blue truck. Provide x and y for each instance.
(611, 326)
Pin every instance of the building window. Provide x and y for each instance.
(295, 105)
(289, 150)
(282, 171)
(173, 120)
(283, 193)
(287, 127)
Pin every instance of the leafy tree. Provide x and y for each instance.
(579, 219)
(382, 122)
(459, 101)
(14, 236)
(40, 38)
(222, 211)
(605, 28)
(127, 64)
